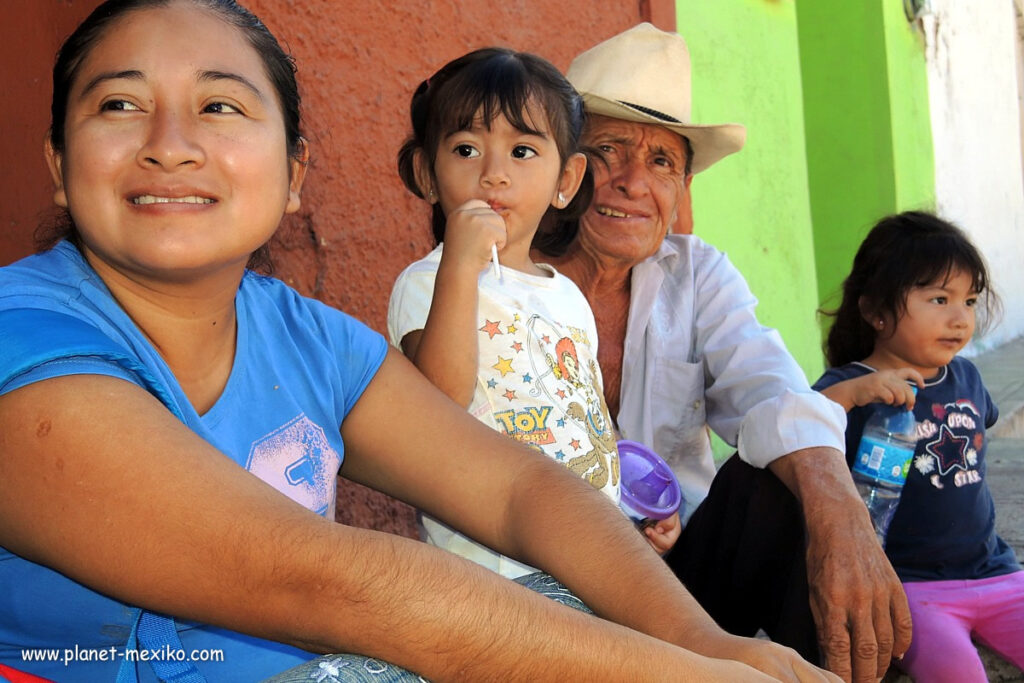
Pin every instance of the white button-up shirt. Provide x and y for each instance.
(695, 356)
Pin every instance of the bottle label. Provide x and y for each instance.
(883, 460)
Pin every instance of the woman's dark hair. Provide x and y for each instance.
(493, 81)
(279, 66)
(901, 252)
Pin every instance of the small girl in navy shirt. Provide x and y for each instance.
(908, 307)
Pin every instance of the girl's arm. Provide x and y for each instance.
(145, 511)
(446, 349)
(883, 386)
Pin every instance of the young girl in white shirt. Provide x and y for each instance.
(495, 151)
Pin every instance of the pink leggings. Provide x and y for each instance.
(947, 614)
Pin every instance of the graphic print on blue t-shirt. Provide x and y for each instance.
(949, 443)
(297, 460)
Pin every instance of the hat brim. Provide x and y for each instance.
(711, 143)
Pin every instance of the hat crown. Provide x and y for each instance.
(643, 67)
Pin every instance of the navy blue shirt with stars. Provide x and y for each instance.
(944, 527)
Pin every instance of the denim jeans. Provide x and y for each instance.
(343, 668)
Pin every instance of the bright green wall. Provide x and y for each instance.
(913, 155)
(866, 115)
(754, 205)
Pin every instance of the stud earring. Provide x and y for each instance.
(430, 196)
(561, 200)
(881, 323)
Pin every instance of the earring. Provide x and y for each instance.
(561, 200)
(430, 196)
(881, 323)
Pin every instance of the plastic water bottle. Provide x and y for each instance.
(883, 460)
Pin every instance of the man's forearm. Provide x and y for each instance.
(820, 480)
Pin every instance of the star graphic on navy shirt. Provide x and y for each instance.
(949, 450)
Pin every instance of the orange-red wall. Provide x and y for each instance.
(358, 65)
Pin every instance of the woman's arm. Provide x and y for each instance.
(100, 482)
(529, 507)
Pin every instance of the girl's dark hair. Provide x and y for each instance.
(907, 250)
(496, 81)
(278, 64)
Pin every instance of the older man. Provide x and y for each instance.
(681, 348)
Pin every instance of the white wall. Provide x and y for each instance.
(973, 61)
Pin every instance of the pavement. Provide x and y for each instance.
(1003, 372)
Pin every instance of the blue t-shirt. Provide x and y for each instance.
(299, 368)
(944, 527)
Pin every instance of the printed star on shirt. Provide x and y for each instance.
(517, 346)
(575, 443)
(972, 457)
(491, 383)
(527, 378)
(515, 317)
(504, 366)
(559, 455)
(511, 329)
(547, 339)
(510, 394)
(949, 450)
(491, 328)
(561, 393)
(560, 422)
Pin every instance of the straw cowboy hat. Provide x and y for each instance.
(643, 75)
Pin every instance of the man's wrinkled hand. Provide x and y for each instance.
(857, 600)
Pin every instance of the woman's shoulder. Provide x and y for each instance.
(269, 304)
(54, 273)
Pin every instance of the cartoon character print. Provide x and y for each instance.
(555, 401)
(949, 443)
(591, 465)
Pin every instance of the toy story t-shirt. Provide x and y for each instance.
(538, 380)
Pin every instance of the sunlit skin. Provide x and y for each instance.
(640, 185)
(938, 322)
(638, 189)
(505, 179)
(175, 169)
(641, 193)
(180, 112)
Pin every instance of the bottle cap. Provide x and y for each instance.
(649, 489)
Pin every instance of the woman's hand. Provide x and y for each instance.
(781, 663)
(664, 533)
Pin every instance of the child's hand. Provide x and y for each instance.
(886, 386)
(662, 535)
(471, 229)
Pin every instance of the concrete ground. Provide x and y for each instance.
(1003, 372)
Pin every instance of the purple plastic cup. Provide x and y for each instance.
(649, 490)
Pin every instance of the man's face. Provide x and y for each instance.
(638, 188)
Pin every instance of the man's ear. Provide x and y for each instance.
(569, 183)
(424, 176)
(296, 176)
(55, 162)
(683, 222)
